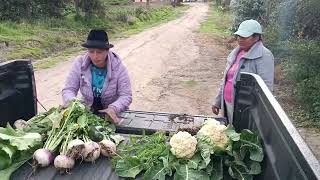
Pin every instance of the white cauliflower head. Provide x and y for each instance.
(183, 145)
(215, 132)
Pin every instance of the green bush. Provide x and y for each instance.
(248, 9)
(120, 14)
(307, 19)
(295, 19)
(16, 10)
(92, 7)
(305, 72)
(292, 34)
(140, 11)
(117, 2)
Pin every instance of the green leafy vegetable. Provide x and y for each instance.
(217, 168)
(130, 167)
(147, 153)
(151, 157)
(19, 139)
(6, 173)
(183, 172)
(16, 147)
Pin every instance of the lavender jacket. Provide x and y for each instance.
(116, 90)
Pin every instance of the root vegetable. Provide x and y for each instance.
(108, 148)
(42, 157)
(63, 163)
(91, 151)
(20, 124)
(75, 148)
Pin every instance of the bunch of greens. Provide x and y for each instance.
(146, 153)
(53, 131)
(16, 147)
(76, 114)
(75, 122)
(151, 158)
(42, 123)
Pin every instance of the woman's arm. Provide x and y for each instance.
(124, 92)
(217, 101)
(265, 69)
(72, 83)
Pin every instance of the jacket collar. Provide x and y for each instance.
(254, 52)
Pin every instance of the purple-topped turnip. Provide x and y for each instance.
(43, 157)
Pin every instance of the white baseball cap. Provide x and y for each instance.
(248, 28)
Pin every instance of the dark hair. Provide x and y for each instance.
(257, 35)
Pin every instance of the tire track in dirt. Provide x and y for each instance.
(190, 88)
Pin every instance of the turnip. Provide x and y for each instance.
(91, 151)
(75, 148)
(108, 148)
(42, 157)
(20, 124)
(63, 163)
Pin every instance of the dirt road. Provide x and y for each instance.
(165, 65)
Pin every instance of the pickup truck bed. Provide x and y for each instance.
(132, 122)
(287, 155)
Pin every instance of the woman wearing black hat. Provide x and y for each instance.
(100, 76)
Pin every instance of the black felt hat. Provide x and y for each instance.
(97, 38)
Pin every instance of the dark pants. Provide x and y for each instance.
(96, 106)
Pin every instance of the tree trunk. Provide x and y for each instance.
(226, 3)
(76, 5)
(148, 4)
(28, 9)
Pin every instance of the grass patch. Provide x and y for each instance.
(25, 53)
(51, 61)
(48, 40)
(36, 40)
(190, 83)
(156, 18)
(218, 22)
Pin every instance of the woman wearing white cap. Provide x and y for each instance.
(250, 56)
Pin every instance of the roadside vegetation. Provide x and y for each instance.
(47, 37)
(218, 22)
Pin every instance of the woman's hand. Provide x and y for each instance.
(215, 110)
(112, 113)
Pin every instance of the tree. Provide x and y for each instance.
(92, 7)
(307, 19)
(248, 9)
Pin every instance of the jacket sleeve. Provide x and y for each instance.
(218, 99)
(265, 69)
(124, 92)
(72, 83)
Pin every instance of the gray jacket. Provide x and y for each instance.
(258, 60)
